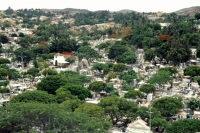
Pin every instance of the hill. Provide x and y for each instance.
(125, 11)
(73, 10)
(188, 11)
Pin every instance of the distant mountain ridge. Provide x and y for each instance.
(188, 11)
(125, 11)
(185, 11)
(72, 10)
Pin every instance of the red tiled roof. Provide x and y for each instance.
(65, 54)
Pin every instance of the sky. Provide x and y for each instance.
(94, 5)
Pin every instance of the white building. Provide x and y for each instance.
(164, 25)
(60, 59)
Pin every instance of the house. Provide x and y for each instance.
(138, 126)
(43, 18)
(164, 25)
(60, 59)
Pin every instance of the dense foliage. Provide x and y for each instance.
(168, 106)
(38, 117)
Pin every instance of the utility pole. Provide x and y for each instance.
(149, 112)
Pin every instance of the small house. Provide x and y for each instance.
(60, 59)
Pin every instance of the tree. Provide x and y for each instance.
(128, 57)
(71, 104)
(112, 75)
(4, 61)
(25, 41)
(87, 53)
(103, 45)
(184, 126)
(101, 67)
(6, 24)
(149, 55)
(76, 90)
(97, 86)
(118, 109)
(167, 106)
(64, 45)
(133, 94)
(63, 95)
(109, 88)
(119, 67)
(179, 51)
(92, 110)
(49, 72)
(4, 39)
(33, 72)
(156, 26)
(38, 117)
(70, 60)
(34, 96)
(161, 78)
(197, 15)
(159, 124)
(13, 35)
(198, 52)
(75, 78)
(9, 11)
(23, 55)
(51, 83)
(193, 104)
(27, 114)
(171, 70)
(35, 63)
(41, 50)
(193, 39)
(192, 71)
(110, 31)
(128, 76)
(126, 86)
(4, 90)
(143, 113)
(3, 73)
(116, 50)
(21, 34)
(147, 88)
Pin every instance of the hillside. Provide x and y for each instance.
(73, 10)
(125, 11)
(190, 11)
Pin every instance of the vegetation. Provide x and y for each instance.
(147, 88)
(58, 104)
(51, 83)
(97, 86)
(133, 94)
(168, 106)
(25, 117)
(185, 125)
(117, 108)
(192, 71)
(76, 90)
(34, 96)
(128, 76)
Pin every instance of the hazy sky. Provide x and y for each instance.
(94, 5)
